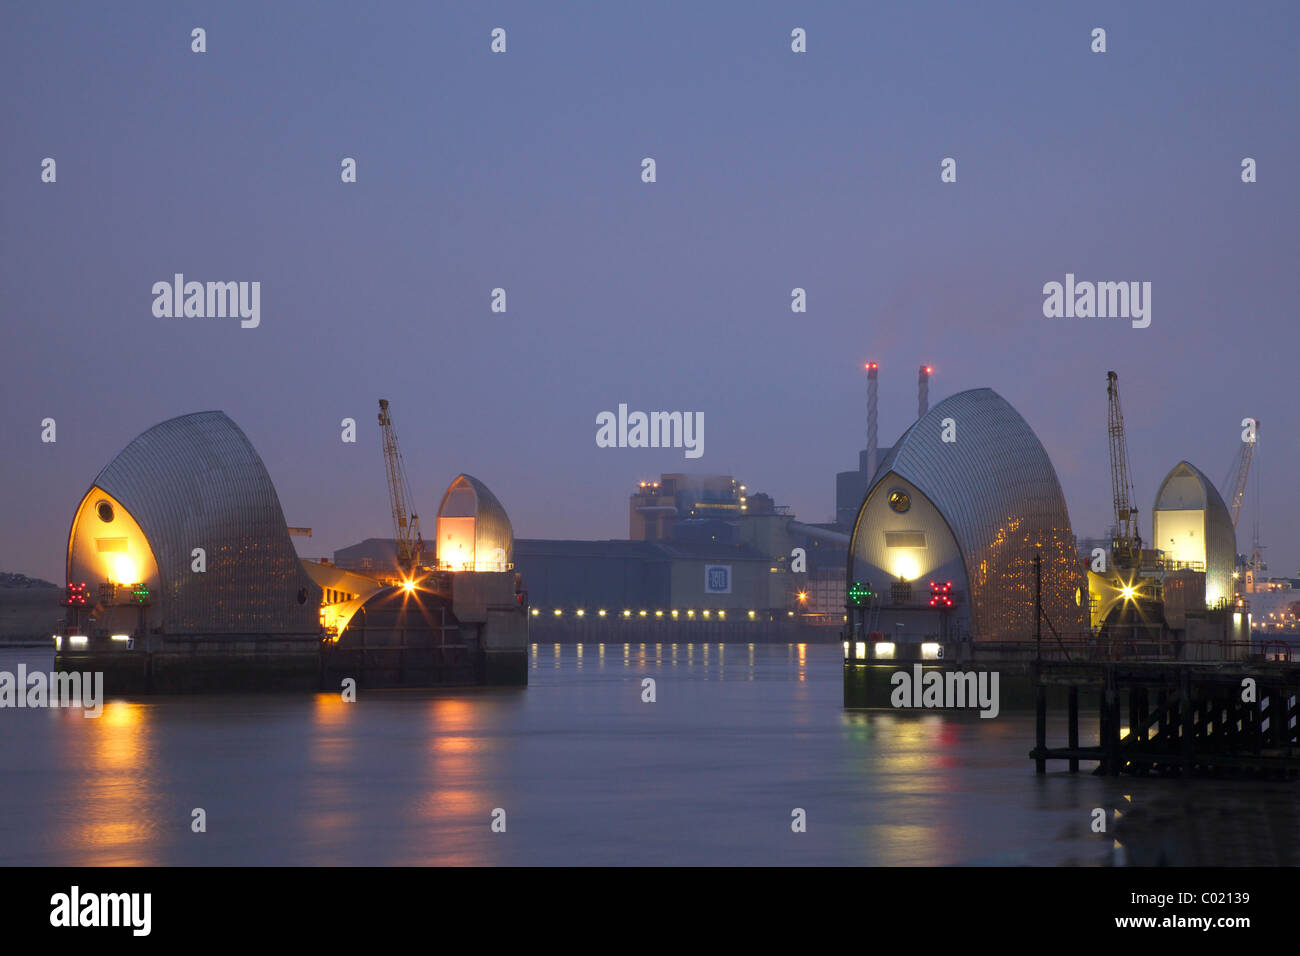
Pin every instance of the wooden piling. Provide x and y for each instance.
(1040, 727)
(1074, 728)
(1184, 718)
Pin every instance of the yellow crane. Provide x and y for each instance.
(1126, 546)
(406, 523)
(1243, 470)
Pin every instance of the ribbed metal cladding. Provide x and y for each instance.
(998, 491)
(197, 482)
(492, 527)
(1220, 535)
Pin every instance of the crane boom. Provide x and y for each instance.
(1243, 470)
(1126, 547)
(406, 523)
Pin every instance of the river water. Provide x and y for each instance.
(738, 737)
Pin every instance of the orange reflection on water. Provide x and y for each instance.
(327, 818)
(112, 815)
(453, 807)
(330, 744)
(454, 745)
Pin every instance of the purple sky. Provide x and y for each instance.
(522, 170)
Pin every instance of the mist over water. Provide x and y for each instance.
(738, 737)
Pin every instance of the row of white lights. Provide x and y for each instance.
(580, 612)
(80, 640)
(885, 651)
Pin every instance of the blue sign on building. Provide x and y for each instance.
(717, 579)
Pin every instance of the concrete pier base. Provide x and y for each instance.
(505, 668)
(869, 685)
(194, 667)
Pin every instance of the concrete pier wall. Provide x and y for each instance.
(201, 665)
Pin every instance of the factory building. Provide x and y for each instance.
(656, 507)
(700, 547)
(852, 486)
(594, 574)
(697, 544)
(644, 575)
(943, 545)
(1192, 526)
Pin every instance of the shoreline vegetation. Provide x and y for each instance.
(29, 610)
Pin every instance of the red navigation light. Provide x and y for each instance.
(929, 369)
(76, 593)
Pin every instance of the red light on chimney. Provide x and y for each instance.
(929, 369)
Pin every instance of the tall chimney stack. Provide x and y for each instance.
(872, 371)
(923, 391)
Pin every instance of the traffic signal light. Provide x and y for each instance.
(860, 594)
(941, 594)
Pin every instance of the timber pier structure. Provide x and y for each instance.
(1175, 718)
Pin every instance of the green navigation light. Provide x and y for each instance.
(860, 594)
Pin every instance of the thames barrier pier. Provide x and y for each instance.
(182, 577)
(963, 558)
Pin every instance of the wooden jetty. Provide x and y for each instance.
(1184, 718)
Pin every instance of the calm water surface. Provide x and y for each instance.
(586, 772)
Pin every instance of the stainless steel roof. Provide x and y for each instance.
(197, 482)
(1220, 536)
(996, 488)
(467, 497)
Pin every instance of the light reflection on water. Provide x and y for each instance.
(119, 771)
(587, 773)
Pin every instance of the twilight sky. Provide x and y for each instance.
(775, 170)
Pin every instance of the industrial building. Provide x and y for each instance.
(944, 543)
(657, 507)
(644, 575)
(700, 548)
(852, 486)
